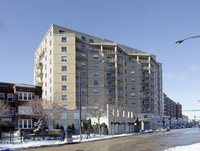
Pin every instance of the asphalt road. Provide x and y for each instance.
(145, 142)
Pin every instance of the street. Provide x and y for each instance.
(145, 142)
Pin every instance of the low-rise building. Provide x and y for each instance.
(17, 95)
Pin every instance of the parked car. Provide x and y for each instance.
(168, 128)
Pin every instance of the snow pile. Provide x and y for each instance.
(40, 143)
(193, 147)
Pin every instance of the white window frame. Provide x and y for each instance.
(64, 87)
(24, 110)
(27, 122)
(64, 116)
(25, 94)
(62, 67)
(64, 49)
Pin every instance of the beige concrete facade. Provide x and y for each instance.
(126, 78)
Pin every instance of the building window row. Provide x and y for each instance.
(24, 96)
(25, 123)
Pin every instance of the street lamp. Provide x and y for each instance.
(80, 106)
(180, 41)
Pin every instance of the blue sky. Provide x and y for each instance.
(152, 26)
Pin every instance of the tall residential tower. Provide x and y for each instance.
(111, 73)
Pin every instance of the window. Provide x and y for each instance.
(10, 97)
(64, 78)
(50, 98)
(96, 100)
(50, 80)
(50, 70)
(83, 99)
(132, 65)
(50, 52)
(133, 102)
(83, 47)
(96, 65)
(96, 91)
(64, 58)
(50, 33)
(132, 80)
(25, 124)
(96, 82)
(64, 97)
(91, 41)
(11, 111)
(64, 116)
(76, 115)
(64, 68)
(129, 51)
(25, 110)
(91, 49)
(64, 39)
(132, 94)
(132, 72)
(95, 73)
(61, 31)
(2, 97)
(64, 106)
(24, 96)
(50, 89)
(133, 87)
(83, 73)
(64, 87)
(83, 38)
(64, 49)
(50, 61)
(37, 97)
(50, 42)
(95, 56)
(83, 64)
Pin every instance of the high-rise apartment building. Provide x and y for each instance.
(111, 73)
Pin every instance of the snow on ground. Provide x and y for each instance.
(193, 147)
(40, 143)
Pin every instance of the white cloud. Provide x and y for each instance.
(179, 77)
(193, 68)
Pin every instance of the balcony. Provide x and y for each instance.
(110, 77)
(145, 75)
(145, 82)
(39, 66)
(144, 90)
(144, 61)
(144, 68)
(110, 69)
(112, 94)
(81, 56)
(119, 70)
(39, 83)
(110, 85)
(39, 74)
(110, 60)
(81, 47)
(119, 86)
(82, 75)
(80, 66)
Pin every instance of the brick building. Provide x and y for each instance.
(17, 95)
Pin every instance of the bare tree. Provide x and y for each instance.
(4, 109)
(97, 110)
(45, 112)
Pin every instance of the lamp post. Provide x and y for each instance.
(180, 41)
(80, 106)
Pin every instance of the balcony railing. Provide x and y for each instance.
(145, 68)
(110, 85)
(145, 82)
(39, 66)
(80, 56)
(111, 94)
(110, 69)
(112, 77)
(81, 47)
(110, 60)
(39, 74)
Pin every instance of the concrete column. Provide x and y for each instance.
(142, 125)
